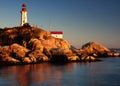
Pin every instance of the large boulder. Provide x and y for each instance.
(51, 42)
(60, 55)
(18, 51)
(37, 56)
(9, 60)
(86, 57)
(12, 54)
(94, 48)
(5, 50)
(35, 44)
(73, 58)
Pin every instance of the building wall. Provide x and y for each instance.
(57, 35)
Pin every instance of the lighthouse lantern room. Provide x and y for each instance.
(23, 14)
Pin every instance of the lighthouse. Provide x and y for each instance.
(23, 14)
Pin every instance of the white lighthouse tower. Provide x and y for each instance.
(23, 14)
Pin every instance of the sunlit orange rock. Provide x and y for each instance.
(95, 48)
(29, 44)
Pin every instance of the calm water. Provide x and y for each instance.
(104, 73)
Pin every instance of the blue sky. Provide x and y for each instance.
(80, 20)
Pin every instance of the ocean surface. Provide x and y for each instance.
(103, 73)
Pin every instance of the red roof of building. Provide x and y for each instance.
(56, 32)
(24, 7)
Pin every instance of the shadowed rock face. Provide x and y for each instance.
(21, 35)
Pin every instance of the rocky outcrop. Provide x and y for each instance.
(29, 45)
(95, 48)
(17, 54)
(23, 45)
(113, 54)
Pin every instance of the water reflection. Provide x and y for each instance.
(32, 75)
(104, 73)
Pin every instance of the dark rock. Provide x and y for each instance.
(59, 59)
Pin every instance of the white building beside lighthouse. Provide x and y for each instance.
(57, 34)
(23, 15)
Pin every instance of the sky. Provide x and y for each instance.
(80, 20)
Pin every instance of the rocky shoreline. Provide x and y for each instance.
(26, 45)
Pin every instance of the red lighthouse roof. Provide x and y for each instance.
(24, 7)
